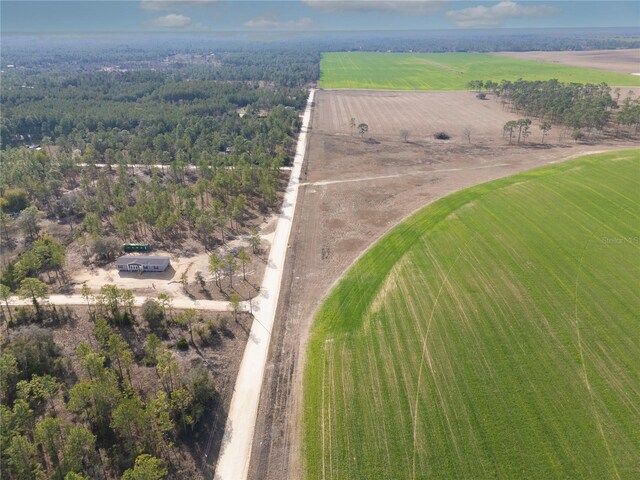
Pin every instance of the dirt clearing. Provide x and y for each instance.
(180, 280)
(354, 190)
(621, 61)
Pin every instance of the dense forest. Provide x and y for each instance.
(163, 116)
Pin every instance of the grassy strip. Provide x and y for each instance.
(447, 71)
(492, 334)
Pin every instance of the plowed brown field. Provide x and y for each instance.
(623, 61)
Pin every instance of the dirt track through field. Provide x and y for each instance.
(355, 189)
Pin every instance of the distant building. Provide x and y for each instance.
(149, 263)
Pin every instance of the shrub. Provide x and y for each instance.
(577, 135)
(182, 344)
(152, 313)
(35, 352)
(14, 200)
(106, 248)
(224, 323)
(441, 136)
(203, 391)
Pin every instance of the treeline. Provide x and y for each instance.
(283, 63)
(98, 413)
(577, 106)
(289, 61)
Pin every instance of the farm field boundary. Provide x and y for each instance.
(488, 335)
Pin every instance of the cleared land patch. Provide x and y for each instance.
(421, 114)
(503, 344)
(447, 71)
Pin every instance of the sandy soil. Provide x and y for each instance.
(622, 61)
(194, 260)
(354, 190)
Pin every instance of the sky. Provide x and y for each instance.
(131, 16)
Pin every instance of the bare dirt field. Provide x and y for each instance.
(622, 61)
(354, 190)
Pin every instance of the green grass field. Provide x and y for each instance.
(447, 71)
(493, 334)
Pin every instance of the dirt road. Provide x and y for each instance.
(233, 462)
(355, 189)
(76, 299)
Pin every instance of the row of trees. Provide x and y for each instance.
(576, 106)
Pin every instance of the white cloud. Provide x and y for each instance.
(266, 22)
(409, 7)
(165, 5)
(482, 16)
(170, 21)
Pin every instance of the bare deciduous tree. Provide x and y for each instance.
(466, 133)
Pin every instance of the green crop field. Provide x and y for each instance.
(493, 334)
(447, 71)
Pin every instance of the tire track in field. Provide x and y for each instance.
(332, 408)
(584, 367)
(345, 396)
(322, 410)
(424, 344)
(375, 380)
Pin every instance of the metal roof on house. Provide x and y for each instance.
(143, 260)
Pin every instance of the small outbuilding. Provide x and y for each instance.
(149, 263)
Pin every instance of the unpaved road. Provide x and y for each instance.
(76, 299)
(233, 461)
(354, 190)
